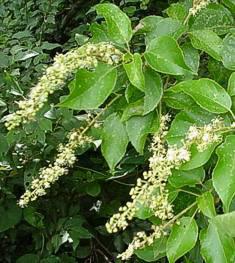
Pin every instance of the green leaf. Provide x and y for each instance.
(161, 27)
(99, 33)
(177, 11)
(118, 23)
(91, 89)
(49, 46)
(206, 204)
(226, 222)
(133, 109)
(231, 85)
(216, 17)
(153, 252)
(178, 100)
(115, 140)
(208, 42)
(207, 93)
(93, 189)
(138, 128)
(181, 178)
(198, 158)
(143, 211)
(191, 56)
(10, 214)
(164, 55)
(33, 217)
(182, 239)
(153, 90)
(223, 174)
(216, 246)
(228, 52)
(135, 73)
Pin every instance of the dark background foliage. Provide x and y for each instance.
(32, 32)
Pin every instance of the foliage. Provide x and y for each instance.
(106, 131)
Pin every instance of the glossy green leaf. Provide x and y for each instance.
(182, 239)
(227, 223)
(177, 11)
(180, 178)
(118, 23)
(114, 140)
(133, 109)
(91, 89)
(191, 56)
(223, 174)
(216, 246)
(198, 158)
(135, 73)
(153, 252)
(161, 27)
(207, 41)
(153, 90)
(207, 93)
(231, 85)
(215, 17)
(178, 100)
(138, 128)
(228, 52)
(164, 55)
(206, 204)
(99, 33)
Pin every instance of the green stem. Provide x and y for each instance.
(179, 215)
(188, 192)
(187, 18)
(232, 114)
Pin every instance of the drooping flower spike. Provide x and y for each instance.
(150, 191)
(56, 76)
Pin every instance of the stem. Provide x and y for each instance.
(187, 18)
(230, 111)
(99, 114)
(179, 215)
(188, 192)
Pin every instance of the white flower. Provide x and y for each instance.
(192, 133)
(183, 154)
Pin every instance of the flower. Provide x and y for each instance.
(56, 76)
(49, 175)
(198, 5)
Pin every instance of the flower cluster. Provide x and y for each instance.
(204, 136)
(198, 5)
(49, 175)
(55, 77)
(151, 191)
